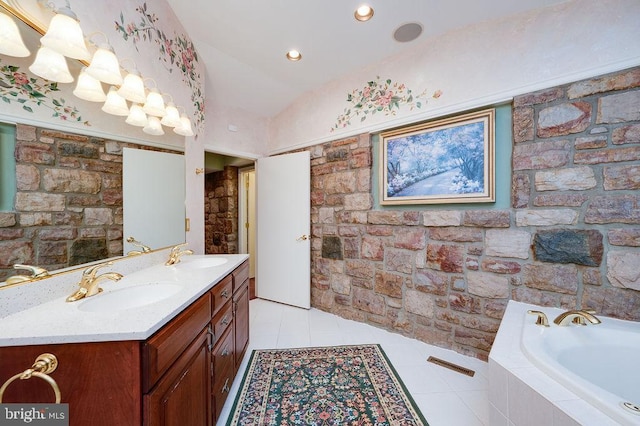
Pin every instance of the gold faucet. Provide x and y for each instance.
(541, 318)
(36, 273)
(89, 282)
(580, 317)
(143, 248)
(176, 252)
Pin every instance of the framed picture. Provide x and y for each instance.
(444, 161)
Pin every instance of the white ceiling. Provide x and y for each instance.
(243, 43)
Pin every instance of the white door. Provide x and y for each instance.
(153, 198)
(283, 220)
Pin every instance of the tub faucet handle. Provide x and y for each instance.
(541, 319)
(580, 317)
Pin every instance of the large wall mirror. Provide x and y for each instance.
(80, 190)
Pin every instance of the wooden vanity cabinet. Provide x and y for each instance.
(181, 375)
(231, 337)
(176, 370)
(181, 395)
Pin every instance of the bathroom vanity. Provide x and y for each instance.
(179, 373)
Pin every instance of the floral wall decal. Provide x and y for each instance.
(378, 96)
(176, 53)
(16, 86)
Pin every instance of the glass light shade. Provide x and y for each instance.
(132, 88)
(64, 35)
(153, 127)
(115, 104)
(172, 117)
(154, 104)
(89, 89)
(137, 117)
(185, 128)
(11, 43)
(51, 65)
(105, 67)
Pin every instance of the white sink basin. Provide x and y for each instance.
(201, 262)
(130, 297)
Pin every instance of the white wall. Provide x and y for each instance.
(476, 66)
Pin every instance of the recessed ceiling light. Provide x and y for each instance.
(294, 55)
(408, 32)
(363, 13)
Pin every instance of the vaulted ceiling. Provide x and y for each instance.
(243, 43)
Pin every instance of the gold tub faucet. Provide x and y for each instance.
(580, 317)
(89, 282)
(36, 273)
(176, 252)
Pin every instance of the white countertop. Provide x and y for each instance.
(57, 321)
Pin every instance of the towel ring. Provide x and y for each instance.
(45, 364)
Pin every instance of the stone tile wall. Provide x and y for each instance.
(221, 211)
(68, 206)
(570, 239)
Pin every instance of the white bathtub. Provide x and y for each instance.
(576, 374)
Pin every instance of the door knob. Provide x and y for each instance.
(303, 237)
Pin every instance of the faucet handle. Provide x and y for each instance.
(90, 272)
(175, 248)
(542, 318)
(35, 271)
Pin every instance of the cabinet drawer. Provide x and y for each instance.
(221, 293)
(223, 370)
(164, 347)
(223, 354)
(240, 275)
(221, 321)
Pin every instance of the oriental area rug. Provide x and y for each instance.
(336, 385)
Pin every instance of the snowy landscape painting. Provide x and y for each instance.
(446, 161)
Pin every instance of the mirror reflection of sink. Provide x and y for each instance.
(130, 297)
(201, 262)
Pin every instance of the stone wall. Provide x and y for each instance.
(68, 206)
(570, 239)
(221, 211)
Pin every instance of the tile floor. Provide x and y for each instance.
(446, 398)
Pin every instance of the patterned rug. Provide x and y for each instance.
(338, 385)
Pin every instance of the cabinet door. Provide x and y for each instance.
(241, 322)
(181, 397)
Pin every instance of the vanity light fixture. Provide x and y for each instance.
(11, 43)
(185, 128)
(154, 104)
(363, 13)
(137, 116)
(172, 117)
(132, 88)
(88, 88)
(293, 55)
(115, 104)
(64, 35)
(105, 66)
(153, 126)
(51, 65)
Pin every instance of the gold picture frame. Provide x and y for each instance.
(451, 160)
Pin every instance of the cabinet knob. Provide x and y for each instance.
(226, 387)
(225, 320)
(225, 294)
(225, 352)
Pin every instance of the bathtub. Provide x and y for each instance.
(564, 375)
